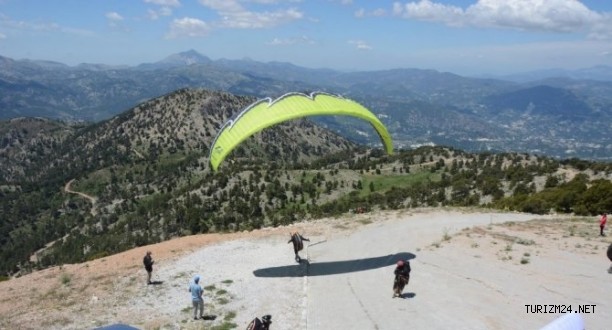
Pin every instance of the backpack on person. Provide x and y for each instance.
(255, 324)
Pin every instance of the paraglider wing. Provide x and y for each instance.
(266, 112)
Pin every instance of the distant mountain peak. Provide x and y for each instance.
(185, 58)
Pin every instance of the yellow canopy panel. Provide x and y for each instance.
(267, 112)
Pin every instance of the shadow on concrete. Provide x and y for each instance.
(333, 267)
(408, 295)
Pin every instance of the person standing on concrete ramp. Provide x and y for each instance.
(602, 224)
(402, 276)
(298, 244)
(196, 297)
(148, 265)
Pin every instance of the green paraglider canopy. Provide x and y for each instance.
(267, 112)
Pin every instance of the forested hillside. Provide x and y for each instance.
(147, 177)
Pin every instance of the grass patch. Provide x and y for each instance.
(65, 279)
(365, 221)
(210, 287)
(524, 261)
(383, 183)
(61, 321)
(221, 291)
(179, 275)
(229, 316)
(524, 241)
(227, 281)
(223, 300)
(225, 326)
(446, 236)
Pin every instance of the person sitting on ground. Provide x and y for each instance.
(263, 324)
(298, 244)
(196, 297)
(402, 276)
(148, 265)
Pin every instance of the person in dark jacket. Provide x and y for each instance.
(148, 265)
(402, 276)
(298, 244)
(609, 253)
(263, 324)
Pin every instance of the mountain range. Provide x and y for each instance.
(557, 113)
(79, 191)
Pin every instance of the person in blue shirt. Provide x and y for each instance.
(196, 297)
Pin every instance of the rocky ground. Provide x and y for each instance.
(471, 270)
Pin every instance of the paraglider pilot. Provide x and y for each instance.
(298, 244)
(263, 324)
(402, 276)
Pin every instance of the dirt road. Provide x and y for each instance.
(91, 199)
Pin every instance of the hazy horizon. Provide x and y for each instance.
(468, 37)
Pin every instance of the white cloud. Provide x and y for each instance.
(534, 15)
(152, 14)
(360, 13)
(188, 27)
(290, 41)
(8, 23)
(379, 12)
(342, 2)
(234, 15)
(166, 3)
(602, 28)
(114, 20)
(114, 17)
(360, 44)
(270, 2)
(156, 14)
(23, 25)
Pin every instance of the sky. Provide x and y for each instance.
(469, 37)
